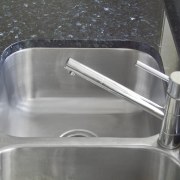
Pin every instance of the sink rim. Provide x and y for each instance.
(10, 143)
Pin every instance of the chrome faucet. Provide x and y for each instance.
(169, 136)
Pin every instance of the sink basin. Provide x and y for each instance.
(40, 99)
(81, 160)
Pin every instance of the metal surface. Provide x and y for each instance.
(114, 87)
(174, 85)
(88, 158)
(152, 71)
(170, 131)
(39, 98)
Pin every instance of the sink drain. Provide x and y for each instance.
(78, 133)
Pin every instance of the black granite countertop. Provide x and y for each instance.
(137, 20)
(173, 12)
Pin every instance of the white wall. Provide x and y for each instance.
(168, 50)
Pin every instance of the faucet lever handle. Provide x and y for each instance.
(174, 85)
(152, 71)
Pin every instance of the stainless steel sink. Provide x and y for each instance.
(87, 159)
(39, 99)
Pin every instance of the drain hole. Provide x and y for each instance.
(78, 133)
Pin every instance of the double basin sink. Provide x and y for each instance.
(41, 105)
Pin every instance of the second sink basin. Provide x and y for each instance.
(81, 160)
(40, 99)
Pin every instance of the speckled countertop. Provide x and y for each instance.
(139, 20)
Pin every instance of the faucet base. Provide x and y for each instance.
(169, 141)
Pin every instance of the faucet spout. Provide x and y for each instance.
(169, 136)
(114, 87)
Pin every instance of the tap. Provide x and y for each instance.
(169, 136)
